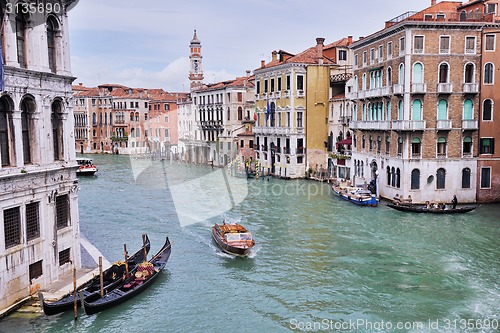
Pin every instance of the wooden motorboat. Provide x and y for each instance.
(86, 167)
(421, 208)
(356, 195)
(233, 238)
(143, 277)
(111, 278)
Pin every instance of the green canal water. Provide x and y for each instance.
(320, 264)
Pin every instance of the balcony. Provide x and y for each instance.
(344, 120)
(300, 93)
(469, 124)
(445, 88)
(387, 91)
(399, 89)
(362, 94)
(352, 95)
(419, 88)
(375, 92)
(300, 151)
(371, 125)
(287, 93)
(443, 125)
(470, 88)
(278, 94)
(408, 125)
(286, 150)
(264, 148)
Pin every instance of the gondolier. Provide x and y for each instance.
(454, 202)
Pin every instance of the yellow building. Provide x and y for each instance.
(292, 101)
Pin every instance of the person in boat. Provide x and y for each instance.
(454, 201)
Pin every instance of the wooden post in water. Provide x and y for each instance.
(101, 278)
(126, 257)
(145, 250)
(75, 303)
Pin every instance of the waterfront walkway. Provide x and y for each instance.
(63, 286)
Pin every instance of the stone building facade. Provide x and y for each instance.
(417, 104)
(39, 227)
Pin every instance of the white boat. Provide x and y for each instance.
(356, 195)
(87, 167)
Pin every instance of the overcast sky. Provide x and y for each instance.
(145, 43)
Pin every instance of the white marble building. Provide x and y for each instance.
(39, 227)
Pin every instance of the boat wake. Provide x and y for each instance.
(254, 251)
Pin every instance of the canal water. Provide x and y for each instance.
(319, 264)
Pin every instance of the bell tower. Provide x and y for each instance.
(195, 59)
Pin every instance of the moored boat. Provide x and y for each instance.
(233, 238)
(86, 167)
(111, 278)
(356, 195)
(421, 208)
(144, 276)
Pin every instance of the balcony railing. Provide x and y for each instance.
(386, 91)
(471, 88)
(408, 125)
(469, 124)
(418, 88)
(300, 93)
(399, 89)
(300, 151)
(286, 150)
(372, 124)
(264, 148)
(445, 88)
(443, 125)
(375, 92)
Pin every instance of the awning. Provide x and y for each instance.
(347, 141)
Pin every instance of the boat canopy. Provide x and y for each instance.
(236, 237)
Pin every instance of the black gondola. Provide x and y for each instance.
(111, 279)
(145, 274)
(424, 209)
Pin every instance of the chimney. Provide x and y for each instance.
(319, 49)
(349, 39)
(274, 55)
(433, 2)
(248, 72)
(262, 63)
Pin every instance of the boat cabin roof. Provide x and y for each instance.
(231, 228)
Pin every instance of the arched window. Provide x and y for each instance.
(416, 110)
(440, 179)
(363, 82)
(467, 147)
(463, 15)
(400, 146)
(131, 116)
(398, 178)
(443, 73)
(5, 136)
(400, 110)
(388, 171)
(21, 38)
(488, 73)
(52, 28)
(469, 73)
(388, 114)
(442, 110)
(487, 110)
(57, 130)
(466, 178)
(401, 74)
(27, 108)
(416, 145)
(441, 147)
(468, 110)
(240, 113)
(418, 73)
(415, 179)
(229, 113)
(389, 77)
(393, 177)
